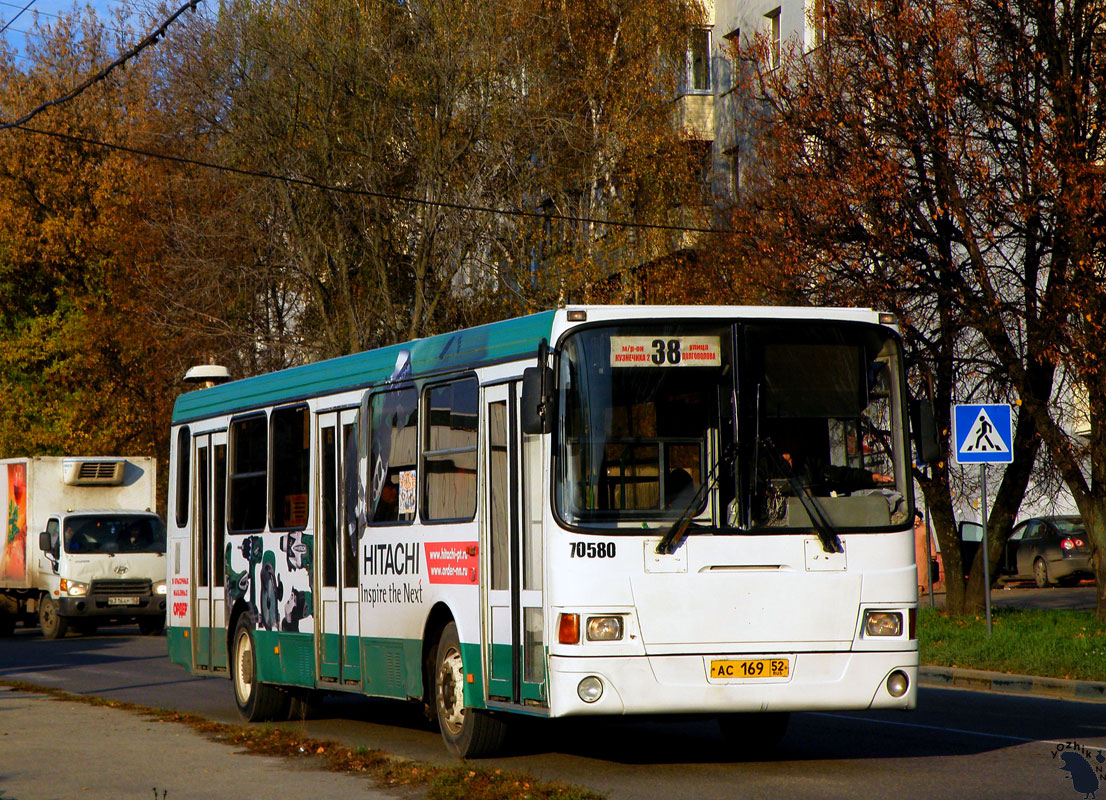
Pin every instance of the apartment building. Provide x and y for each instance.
(707, 108)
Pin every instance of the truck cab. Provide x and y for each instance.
(97, 566)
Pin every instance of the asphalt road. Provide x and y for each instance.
(959, 744)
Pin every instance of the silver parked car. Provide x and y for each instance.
(1048, 551)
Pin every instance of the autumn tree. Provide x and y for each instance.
(943, 160)
(79, 372)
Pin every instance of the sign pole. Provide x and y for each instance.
(983, 434)
(986, 548)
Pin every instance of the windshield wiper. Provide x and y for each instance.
(678, 532)
(831, 542)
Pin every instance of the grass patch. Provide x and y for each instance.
(1044, 642)
(463, 780)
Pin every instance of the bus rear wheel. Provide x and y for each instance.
(468, 732)
(256, 701)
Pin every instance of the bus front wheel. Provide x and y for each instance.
(468, 732)
(257, 702)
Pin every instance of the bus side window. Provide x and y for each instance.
(393, 455)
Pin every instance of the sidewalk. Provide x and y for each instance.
(65, 750)
(981, 681)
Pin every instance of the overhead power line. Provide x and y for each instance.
(349, 190)
(150, 40)
(8, 24)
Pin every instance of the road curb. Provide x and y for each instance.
(983, 681)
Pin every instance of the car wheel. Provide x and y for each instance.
(468, 732)
(1040, 574)
(54, 626)
(256, 701)
(754, 734)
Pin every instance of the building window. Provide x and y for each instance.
(733, 164)
(816, 15)
(246, 484)
(290, 473)
(449, 452)
(772, 34)
(731, 50)
(393, 455)
(698, 61)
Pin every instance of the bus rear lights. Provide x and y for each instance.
(590, 689)
(568, 629)
(897, 683)
(604, 629)
(882, 623)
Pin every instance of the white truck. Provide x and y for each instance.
(81, 544)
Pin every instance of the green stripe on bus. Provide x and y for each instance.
(486, 344)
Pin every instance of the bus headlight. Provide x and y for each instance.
(604, 629)
(590, 689)
(159, 588)
(74, 588)
(882, 623)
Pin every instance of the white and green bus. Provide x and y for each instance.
(596, 510)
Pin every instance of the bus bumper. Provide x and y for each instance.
(680, 684)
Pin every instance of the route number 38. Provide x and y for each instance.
(666, 351)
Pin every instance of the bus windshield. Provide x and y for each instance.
(94, 534)
(758, 425)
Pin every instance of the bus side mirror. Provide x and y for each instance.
(925, 432)
(537, 400)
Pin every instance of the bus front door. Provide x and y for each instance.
(338, 625)
(208, 622)
(514, 657)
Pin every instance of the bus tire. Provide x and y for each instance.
(53, 624)
(256, 701)
(151, 626)
(467, 732)
(754, 734)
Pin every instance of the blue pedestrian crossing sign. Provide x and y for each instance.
(983, 434)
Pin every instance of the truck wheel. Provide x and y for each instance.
(7, 624)
(151, 626)
(468, 732)
(52, 623)
(257, 702)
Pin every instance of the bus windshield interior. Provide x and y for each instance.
(114, 534)
(662, 421)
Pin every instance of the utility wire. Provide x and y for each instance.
(251, 173)
(149, 41)
(41, 13)
(8, 24)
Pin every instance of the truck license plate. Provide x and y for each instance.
(122, 601)
(750, 668)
